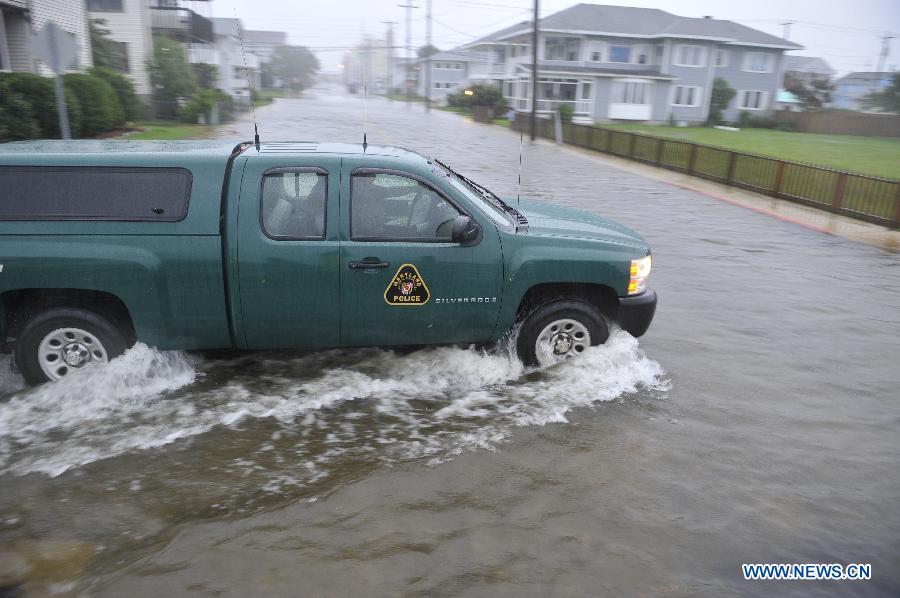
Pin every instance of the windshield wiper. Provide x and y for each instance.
(487, 194)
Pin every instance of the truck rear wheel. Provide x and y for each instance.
(559, 330)
(54, 343)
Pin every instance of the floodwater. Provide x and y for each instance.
(757, 421)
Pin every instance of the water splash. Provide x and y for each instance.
(327, 407)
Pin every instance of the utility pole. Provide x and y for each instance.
(534, 70)
(885, 50)
(428, 56)
(390, 56)
(786, 32)
(408, 8)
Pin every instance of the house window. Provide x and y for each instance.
(642, 54)
(595, 56)
(561, 48)
(631, 92)
(689, 55)
(686, 95)
(585, 91)
(104, 5)
(758, 62)
(753, 100)
(721, 58)
(619, 54)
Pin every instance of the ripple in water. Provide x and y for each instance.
(326, 407)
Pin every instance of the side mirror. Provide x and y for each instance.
(465, 231)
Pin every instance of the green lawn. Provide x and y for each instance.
(878, 156)
(169, 131)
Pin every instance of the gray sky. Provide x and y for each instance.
(844, 32)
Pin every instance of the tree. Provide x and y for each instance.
(295, 66)
(722, 94)
(812, 94)
(886, 100)
(426, 51)
(171, 75)
(106, 52)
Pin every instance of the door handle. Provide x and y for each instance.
(370, 263)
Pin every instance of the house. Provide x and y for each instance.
(368, 64)
(806, 68)
(237, 71)
(617, 63)
(453, 69)
(263, 43)
(851, 89)
(785, 100)
(130, 28)
(20, 19)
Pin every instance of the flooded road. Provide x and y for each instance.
(757, 421)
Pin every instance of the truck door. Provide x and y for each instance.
(403, 282)
(288, 252)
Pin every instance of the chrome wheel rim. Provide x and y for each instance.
(66, 349)
(560, 340)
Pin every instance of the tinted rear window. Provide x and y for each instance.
(94, 193)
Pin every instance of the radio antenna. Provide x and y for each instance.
(237, 25)
(519, 188)
(365, 115)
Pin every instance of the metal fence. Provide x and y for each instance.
(856, 195)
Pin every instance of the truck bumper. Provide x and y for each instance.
(636, 313)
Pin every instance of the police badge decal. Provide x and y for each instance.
(407, 287)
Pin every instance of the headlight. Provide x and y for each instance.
(640, 274)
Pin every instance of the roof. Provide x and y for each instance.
(868, 76)
(276, 38)
(806, 64)
(499, 34)
(459, 56)
(119, 146)
(649, 23)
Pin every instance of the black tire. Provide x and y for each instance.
(113, 339)
(542, 316)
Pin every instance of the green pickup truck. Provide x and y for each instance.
(199, 245)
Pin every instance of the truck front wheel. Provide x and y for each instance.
(559, 330)
(56, 342)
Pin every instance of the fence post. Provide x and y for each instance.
(608, 135)
(838, 198)
(896, 222)
(732, 160)
(659, 151)
(631, 146)
(692, 158)
(779, 177)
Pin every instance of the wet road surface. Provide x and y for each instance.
(757, 421)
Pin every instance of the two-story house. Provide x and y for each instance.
(453, 69)
(851, 89)
(21, 19)
(616, 63)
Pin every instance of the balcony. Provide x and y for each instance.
(181, 23)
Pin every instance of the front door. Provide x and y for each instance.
(288, 252)
(403, 281)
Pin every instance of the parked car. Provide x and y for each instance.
(199, 245)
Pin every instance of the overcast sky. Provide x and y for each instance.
(847, 33)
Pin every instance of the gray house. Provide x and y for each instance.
(851, 89)
(452, 69)
(616, 63)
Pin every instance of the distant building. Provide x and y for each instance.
(130, 27)
(851, 89)
(236, 71)
(20, 19)
(456, 68)
(617, 63)
(807, 68)
(368, 64)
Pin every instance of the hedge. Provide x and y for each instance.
(39, 94)
(124, 89)
(100, 106)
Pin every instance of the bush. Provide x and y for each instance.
(124, 89)
(482, 95)
(100, 106)
(40, 94)
(17, 120)
(565, 113)
(721, 96)
(202, 104)
(748, 121)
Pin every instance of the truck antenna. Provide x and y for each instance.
(365, 115)
(237, 24)
(519, 188)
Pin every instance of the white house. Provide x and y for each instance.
(237, 70)
(129, 26)
(20, 19)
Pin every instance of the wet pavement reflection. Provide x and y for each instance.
(757, 421)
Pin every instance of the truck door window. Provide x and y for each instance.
(293, 204)
(393, 207)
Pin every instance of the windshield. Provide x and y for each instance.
(492, 206)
